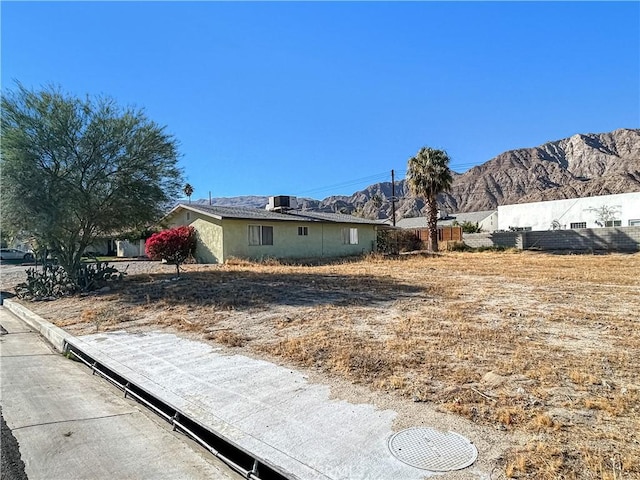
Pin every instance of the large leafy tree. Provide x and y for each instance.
(76, 169)
(429, 175)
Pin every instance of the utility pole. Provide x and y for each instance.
(209, 197)
(393, 197)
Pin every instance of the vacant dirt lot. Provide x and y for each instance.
(544, 347)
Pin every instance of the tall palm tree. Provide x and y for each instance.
(428, 175)
(188, 191)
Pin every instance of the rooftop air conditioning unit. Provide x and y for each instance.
(282, 203)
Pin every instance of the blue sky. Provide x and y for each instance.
(322, 98)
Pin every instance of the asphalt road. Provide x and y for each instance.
(64, 423)
(10, 276)
(12, 465)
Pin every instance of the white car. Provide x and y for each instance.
(13, 254)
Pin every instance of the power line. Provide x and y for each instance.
(384, 177)
(374, 178)
(347, 183)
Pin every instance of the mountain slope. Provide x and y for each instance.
(579, 166)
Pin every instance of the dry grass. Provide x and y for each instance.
(540, 344)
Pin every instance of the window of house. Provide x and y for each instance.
(188, 215)
(578, 225)
(350, 236)
(634, 223)
(303, 231)
(613, 223)
(260, 235)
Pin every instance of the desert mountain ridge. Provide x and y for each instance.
(582, 165)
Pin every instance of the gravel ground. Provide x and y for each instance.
(11, 274)
(532, 356)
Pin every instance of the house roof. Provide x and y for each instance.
(245, 213)
(334, 217)
(421, 222)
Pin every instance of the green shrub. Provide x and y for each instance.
(395, 241)
(468, 227)
(94, 276)
(52, 281)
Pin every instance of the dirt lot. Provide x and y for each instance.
(542, 348)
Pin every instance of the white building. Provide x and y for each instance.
(621, 210)
(487, 220)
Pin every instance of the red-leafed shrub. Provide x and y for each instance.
(174, 246)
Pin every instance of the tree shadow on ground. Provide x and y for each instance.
(244, 290)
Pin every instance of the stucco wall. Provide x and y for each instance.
(490, 223)
(209, 248)
(323, 240)
(332, 245)
(220, 240)
(209, 232)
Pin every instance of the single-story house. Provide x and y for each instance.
(619, 210)
(252, 233)
(130, 248)
(487, 220)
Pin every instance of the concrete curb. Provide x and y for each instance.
(274, 416)
(63, 341)
(55, 335)
(59, 339)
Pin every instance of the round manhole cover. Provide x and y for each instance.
(433, 450)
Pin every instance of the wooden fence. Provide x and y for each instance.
(445, 234)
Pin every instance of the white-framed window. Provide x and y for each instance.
(260, 235)
(188, 215)
(350, 236)
(613, 223)
(303, 231)
(635, 222)
(578, 225)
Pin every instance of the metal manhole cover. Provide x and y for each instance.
(433, 450)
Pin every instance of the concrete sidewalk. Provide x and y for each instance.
(72, 425)
(270, 411)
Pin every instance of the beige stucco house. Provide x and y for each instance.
(252, 233)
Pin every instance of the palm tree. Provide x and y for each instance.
(188, 191)
(428, 175)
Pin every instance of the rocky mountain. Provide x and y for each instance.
(579, 166)
(253, 201)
